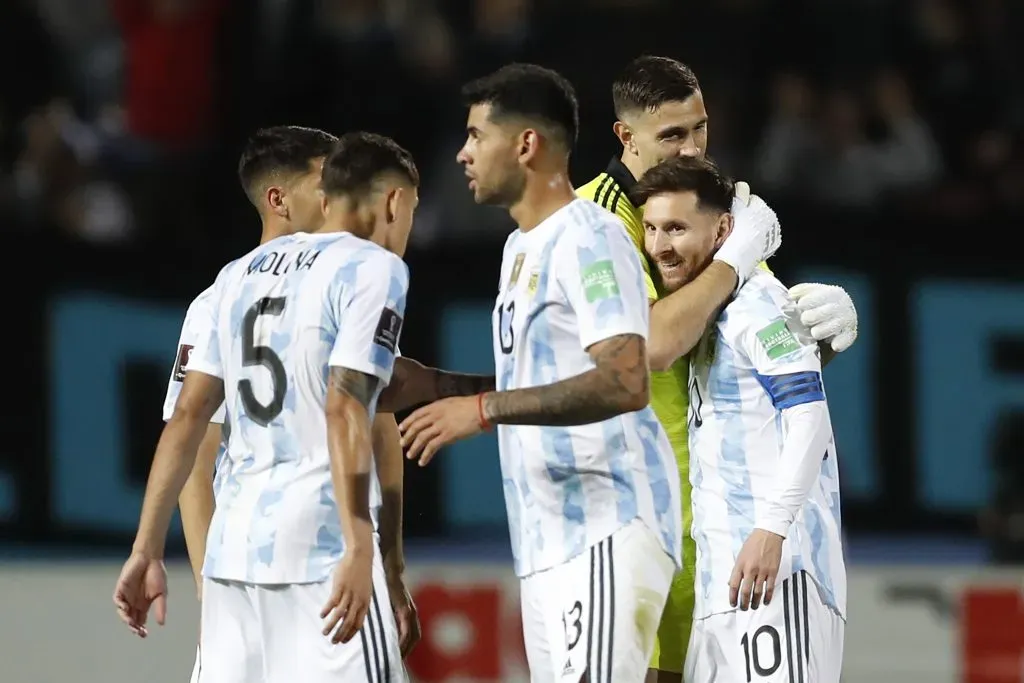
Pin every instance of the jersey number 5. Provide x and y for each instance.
(253, 355)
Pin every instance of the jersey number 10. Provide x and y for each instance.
(253, 355)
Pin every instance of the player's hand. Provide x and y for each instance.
(349, 603)
(430, 428)
(757, 565)
(142, 584)
(756, 234)
(406, 617)
(829, 313)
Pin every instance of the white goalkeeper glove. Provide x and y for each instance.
(829, 313)
(756, 234)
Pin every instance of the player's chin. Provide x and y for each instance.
(674, 279)
(483, 196)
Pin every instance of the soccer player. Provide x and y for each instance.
(302, 337)
(771, 588)
(279, 170)
(590, 482)
(660, 114)
(290, 158)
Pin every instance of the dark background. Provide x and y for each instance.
(887, 135)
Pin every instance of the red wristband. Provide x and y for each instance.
(484, 424)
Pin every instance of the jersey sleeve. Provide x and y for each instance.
(630, 221)
(602, 278)
(205, 356)
(635, 230)
(785, 357)
(198, 319)
(370, 315)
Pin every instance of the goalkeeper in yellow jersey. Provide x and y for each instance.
(659, 110)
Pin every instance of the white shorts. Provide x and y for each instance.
(599, 612)
(274, 634)
(796, 638)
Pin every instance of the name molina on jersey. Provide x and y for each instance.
(281, 263)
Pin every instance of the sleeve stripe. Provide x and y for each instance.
(793, 389)
(606, 187)
(615, 200)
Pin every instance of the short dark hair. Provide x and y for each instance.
(531, 92)
(359, 159)
(648, 82)
(685, 174)
(280, 149)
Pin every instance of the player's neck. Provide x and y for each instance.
(632, 164)
(273, 227)
(352, 222)
(540, 199)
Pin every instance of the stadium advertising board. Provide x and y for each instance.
(957, 357)
(906, 625)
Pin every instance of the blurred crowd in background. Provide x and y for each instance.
(121, 120)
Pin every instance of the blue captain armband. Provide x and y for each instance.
(793, 389)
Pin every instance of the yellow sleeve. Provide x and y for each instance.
(764, 266)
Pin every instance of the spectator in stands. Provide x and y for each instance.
(836, 161)
(169, 106)
(170, 69)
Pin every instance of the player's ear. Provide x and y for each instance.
(724, 229)
(529, 144)
(625, 136)
(391, 205)
(324, 204)
(274, 197)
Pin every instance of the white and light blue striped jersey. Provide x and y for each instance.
(198, 320)
(754, 363)
(571, 282)
(284, 314)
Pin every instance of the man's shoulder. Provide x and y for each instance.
(596, 188)
(762, 305)
(584, 222)
(608, 192)
(367, 256)
(204, 298)
(201, 308)
(761, 299)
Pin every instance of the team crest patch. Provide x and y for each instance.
(599, 281)
(389, 327)
(517, 267)
(184, 354)
(531, 284)
(777, 340)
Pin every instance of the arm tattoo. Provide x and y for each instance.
(448, 384)
(358, 385)
(413, 383)
(619, 384)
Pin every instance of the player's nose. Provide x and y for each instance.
(660, 245)
(689, 150)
